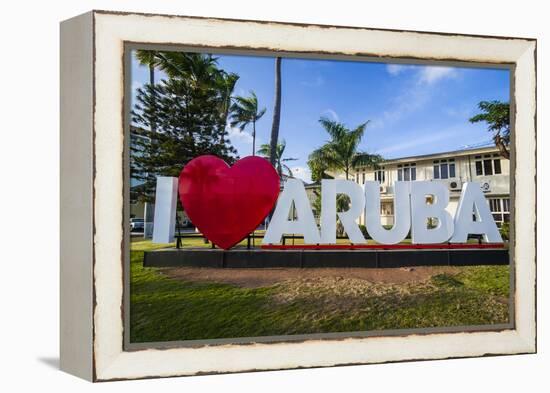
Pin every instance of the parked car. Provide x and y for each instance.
(137, 224)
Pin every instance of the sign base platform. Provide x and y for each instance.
(305, 258)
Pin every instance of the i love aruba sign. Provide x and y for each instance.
(227, 203)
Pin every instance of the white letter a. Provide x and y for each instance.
(472, 201)
(294, 191)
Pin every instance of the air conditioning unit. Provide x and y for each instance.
(455, 185)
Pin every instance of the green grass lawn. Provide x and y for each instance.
(199, 241)
(167, 309)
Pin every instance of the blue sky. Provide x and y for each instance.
(411, 109)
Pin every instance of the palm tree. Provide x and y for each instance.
(497, 115)
(274, 140)
(150, 59)
(245, 111)
(341, 153)
(226, 83)
(265, 150)
(193, 66)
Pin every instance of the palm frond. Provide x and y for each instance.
(340, 153)
(244, 111)
(288, 170)
(367, 160)
(335, 129)
(147, 57)
(260, 114)
(264, 150)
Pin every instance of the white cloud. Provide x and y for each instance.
(423, 74)
(420, 138)
(416, 93)
(433, 74)
(396, 69)
(302, 173)
(236, 135)
(318, 81)
(331, 113)
(410, 100)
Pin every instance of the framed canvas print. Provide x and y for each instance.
(245, 195)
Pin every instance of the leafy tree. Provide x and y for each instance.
(200, 70)
(280, 166)
(497, 115)
(245, 111)
(226, 83)
(188, 111)
(197, 67)
(340, 153)
(505, 231)
(318, 170)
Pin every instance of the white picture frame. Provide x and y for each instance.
(92, 193)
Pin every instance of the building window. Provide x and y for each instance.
(444, 169)
(380, 175)
(406, 172)
(500, 208)
(487, 165)
(386, 209)
(479, 168)
(496, 163)
(363, 178)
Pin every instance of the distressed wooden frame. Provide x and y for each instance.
(92, 193)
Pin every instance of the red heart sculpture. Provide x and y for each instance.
(227, 203)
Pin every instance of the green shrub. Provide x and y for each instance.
(364, 231)
(505, 231)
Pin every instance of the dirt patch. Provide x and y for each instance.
(254, 278)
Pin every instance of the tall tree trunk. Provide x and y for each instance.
(253, 138)
(276, 113)
(501, 147)
(152, 83)
(150, 206)
(151, 74)
(226, 115)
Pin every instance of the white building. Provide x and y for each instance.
(482, 165)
